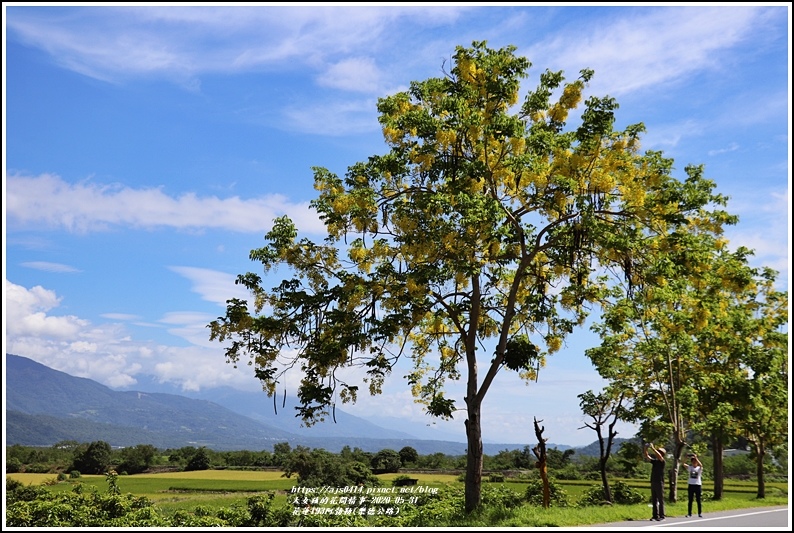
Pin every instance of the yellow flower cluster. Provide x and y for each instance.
(357, 254)
(413, 287)
(634, 196)
(425, 161)
(392, 135)
(558, 113)
(571, 95)
(446, 138)
(342, 203)
(468, 70)
(517, 145)
(554, 344)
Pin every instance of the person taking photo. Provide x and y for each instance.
(695, 483)
(657, 461)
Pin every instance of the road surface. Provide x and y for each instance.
(772, 518)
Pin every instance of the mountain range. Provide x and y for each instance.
(45, 406)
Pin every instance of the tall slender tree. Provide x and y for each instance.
(473, 247)
(650, 332)
(715, 394)
(766, 422)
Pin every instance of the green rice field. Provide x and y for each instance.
(215, 489)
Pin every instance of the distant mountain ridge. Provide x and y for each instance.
(45, 406)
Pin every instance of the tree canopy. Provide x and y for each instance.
(474, 246)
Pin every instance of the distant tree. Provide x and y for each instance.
(199, 461)
(181, 455)
(510, 459)
(93, 458)
(239, 458)
(355, 455)
(603, 409)
(13, 465)
(408, 455)
(557, 459)
(69, 445)
(525, 458)
(281, 453)
(263, 458)
(386, 461)
(434, 461)
(318, 468)
(629, 458)
(136, 459)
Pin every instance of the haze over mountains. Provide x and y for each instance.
(45, 406)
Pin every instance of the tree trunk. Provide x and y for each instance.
(760, 452)
(604, 481)
(719, 471)
(473, 455)
(540, 453)
(677, 451)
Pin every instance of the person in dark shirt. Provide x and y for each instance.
(657, 479)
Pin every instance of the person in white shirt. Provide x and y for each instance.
(695, 484)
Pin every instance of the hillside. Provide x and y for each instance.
(45, 406)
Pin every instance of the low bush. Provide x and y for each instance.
(557, 495)
(622, 493)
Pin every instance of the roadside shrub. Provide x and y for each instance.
(496, 478)
(262, 514)
(444, 508)
(74, 474)
(16, 491)
(500, 496)
(400, 480)
(622, 494)
(182, 518)
(558, 497)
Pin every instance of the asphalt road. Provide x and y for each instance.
(772, 518)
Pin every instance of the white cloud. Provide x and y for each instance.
(358, 74)
(26, 314)
(771, 210)
(119, 316)
(105, 352)
(83, 207)
(50, 267)
(657, 46)
(730, 148)
(668, 136)
(180, 43)
(211, 285)
(332, 118)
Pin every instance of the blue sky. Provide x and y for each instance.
(147, 150)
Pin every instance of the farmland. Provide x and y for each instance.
(214, 490)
